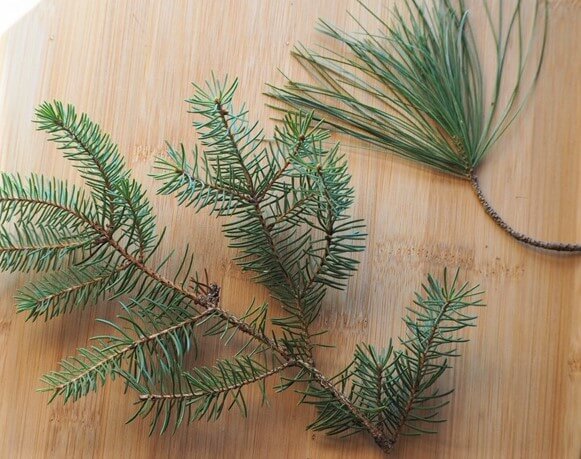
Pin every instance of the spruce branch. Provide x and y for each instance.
(293, 173)
(416, 86)
(209, 391)
(79, 376)
(288, 206)
(91, 151)
(394, 390)
(42, 249)
(58, 293)
(36, 199)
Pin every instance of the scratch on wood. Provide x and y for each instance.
(390, 255)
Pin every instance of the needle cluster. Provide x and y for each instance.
(416, 85)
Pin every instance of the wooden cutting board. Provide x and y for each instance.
(130, 63)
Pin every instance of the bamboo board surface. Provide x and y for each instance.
(129, 65)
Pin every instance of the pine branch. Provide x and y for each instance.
(416, 86)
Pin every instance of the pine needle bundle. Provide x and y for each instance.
(416, 85)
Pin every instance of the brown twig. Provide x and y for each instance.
(492, 213)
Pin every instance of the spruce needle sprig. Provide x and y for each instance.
(287, 207)
(416, 85)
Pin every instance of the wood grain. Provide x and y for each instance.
(129, 65)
